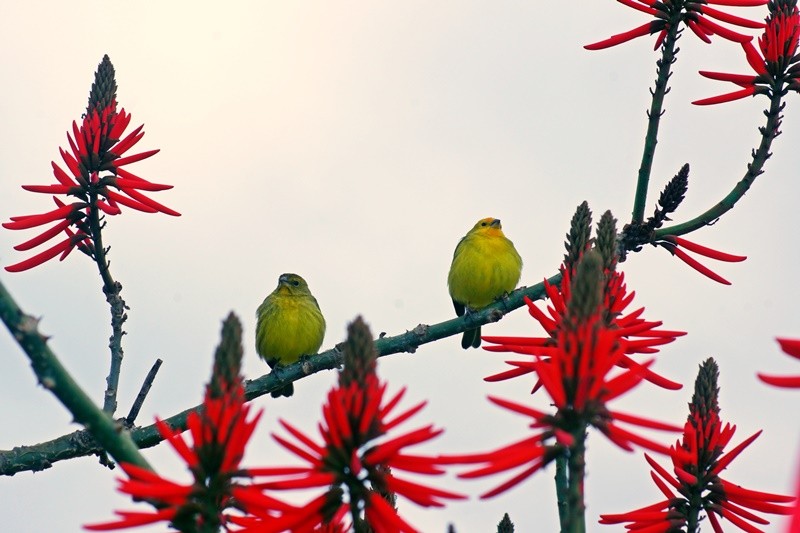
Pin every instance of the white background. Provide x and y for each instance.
(354, 143)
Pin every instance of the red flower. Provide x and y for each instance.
(790, 347)
(356, 461)
(675, 245)
(774, 62)
(220, 431)
(695, 485)
(638, 336)
(576, 367)
(96, 146)
(696, 15)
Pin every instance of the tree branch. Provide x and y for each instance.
(55, 378)
(80, 443)
(664, 66)
(768, 133)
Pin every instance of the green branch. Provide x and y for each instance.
(768, 133)
(55, 378)
(576, 518)
(79, 444)
(664, 66)
(117, 305)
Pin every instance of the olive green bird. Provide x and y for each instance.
(485, 267)
(289, 325)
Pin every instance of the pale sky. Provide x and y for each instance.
(354, 143)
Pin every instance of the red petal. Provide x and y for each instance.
(738, 3)
(49, 189)
(44, 237)
(754, 58)
(639, 7)
(695, 264)
(723, 462)
(644, 422)
(712, 27)
(124, 184)
(644, 29)
(514, 480)
(790, 346)
(701, 32)
(133, 204)
(731, 19)
(727, 97)
(125, 144)
(134, 158)
(40, 258)
(704, 250)
(31, 221)
(139, 197)
(787, 382)
(134, 519)
(743, 80)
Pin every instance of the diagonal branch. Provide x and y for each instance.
(80, 443)
(55, 378)
(664, 66)
(754, 169)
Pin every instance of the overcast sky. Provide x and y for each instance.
(354, 143)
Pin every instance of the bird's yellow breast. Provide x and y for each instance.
(485, 266)
(288, 326)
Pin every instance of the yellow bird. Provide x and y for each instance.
(485, 267)
(289, 325)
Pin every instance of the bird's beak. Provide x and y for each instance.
(496, 223)
(283, 279)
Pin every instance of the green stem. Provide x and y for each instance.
(117, 305)
(768, 133)
(562, 490)
(55, 378)
(78, 444)
(576, 519)
(695, 501)
(664, 66)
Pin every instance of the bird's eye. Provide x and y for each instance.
(483, 224)
(295, 283)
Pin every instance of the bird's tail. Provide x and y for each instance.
(288, 390)
(471, 338)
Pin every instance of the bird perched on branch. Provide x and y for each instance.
(485, 267)
(289, 325)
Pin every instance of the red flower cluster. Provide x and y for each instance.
(774, 62)
(638, 335)
(790, 347)
(220, 431)
(697, 461)
(674, 245)
(355, 461)
(697, 15)
(96, 146)
(575, 366)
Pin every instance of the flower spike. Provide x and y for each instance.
(582, 367)
(774, 61)
(219, 433)
(698, 16)
(356, 461)
(697, 461)
(95, 148)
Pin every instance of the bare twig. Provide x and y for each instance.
(137, 403)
